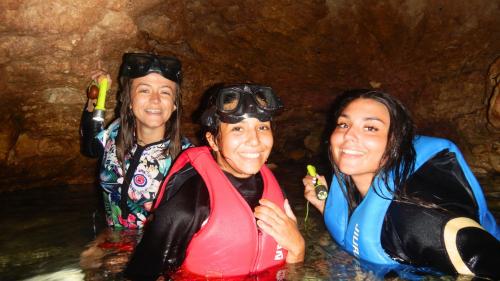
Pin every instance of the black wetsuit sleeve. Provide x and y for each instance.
(178, 217)
(414, 234)
(480, 251)
(89, 128)
(413, 231)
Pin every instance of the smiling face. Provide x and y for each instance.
(152, 102)
(242, 148)
(359, 140)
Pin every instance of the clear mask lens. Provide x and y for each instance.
(263, 99)
(230, 101)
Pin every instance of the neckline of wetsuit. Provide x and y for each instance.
(250, 188)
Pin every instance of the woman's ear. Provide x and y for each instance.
(211, 141)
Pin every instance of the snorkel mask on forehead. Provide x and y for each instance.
(141, 64)
(236, 102)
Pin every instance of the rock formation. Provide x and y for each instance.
(435, 56)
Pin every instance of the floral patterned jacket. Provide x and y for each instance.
(146, 166)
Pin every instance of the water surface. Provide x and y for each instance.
(58, 233)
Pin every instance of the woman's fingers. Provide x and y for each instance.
(310, 190)
(269, 213)
(282, 226)
(274, 218)
(289, 211)
(308, 180)
(98, 74)
(322, 180)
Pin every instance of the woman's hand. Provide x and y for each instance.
(99, 74)
(92, 90)
(282, 226)
(310, 192)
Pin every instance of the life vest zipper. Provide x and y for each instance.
(259, 250)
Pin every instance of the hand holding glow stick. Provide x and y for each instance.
(321, 190)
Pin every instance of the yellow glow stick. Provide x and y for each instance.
(101, 98)
(101, 101)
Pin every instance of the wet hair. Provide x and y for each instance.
(399, 156)
(127, 133)
(214, 126)
(208, 109)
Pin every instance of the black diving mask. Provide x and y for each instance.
(140, 64)
(240, 101)
(236, 102)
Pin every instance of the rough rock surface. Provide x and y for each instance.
(440, 58)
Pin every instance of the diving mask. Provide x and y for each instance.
(235, 102)
(140, 64)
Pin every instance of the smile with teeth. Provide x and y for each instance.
(251, 155)
(153, 111)
(351, 152)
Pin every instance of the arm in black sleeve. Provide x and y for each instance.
(414, 233)
(89, 128)
(179, 216)
(480, 251)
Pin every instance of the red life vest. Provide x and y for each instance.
(229, 244)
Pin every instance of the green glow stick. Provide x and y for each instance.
(101, 101)
(101, 98)
(311, 170)
(321, 190)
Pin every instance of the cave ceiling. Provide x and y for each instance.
(441, 58)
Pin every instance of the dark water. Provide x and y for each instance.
(53, 234)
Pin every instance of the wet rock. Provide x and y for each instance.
(494, 156)
(434, 56)
(493, 90)
(314, 141)
(297, 154)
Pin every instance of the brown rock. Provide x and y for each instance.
(493, 86)
(433, 55)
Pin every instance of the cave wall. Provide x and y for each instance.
(440, 57)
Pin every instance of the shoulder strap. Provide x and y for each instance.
(187, 156)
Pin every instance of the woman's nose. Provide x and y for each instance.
(351, 134)
(253, 137)
(155, 97)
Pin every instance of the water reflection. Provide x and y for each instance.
(58, 233)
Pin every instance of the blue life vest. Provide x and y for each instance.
(360, 234)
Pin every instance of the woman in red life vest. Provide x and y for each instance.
(220, 212)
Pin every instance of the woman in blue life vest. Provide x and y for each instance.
(220, 212)
(397, 198)
(136, 149)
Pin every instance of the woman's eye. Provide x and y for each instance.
(144, 91)
(342, 125)
(237, 129)
(168, 93)
(371, 129)
(264, 128)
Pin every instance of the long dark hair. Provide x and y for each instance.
(127, 134)
(399, 155)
